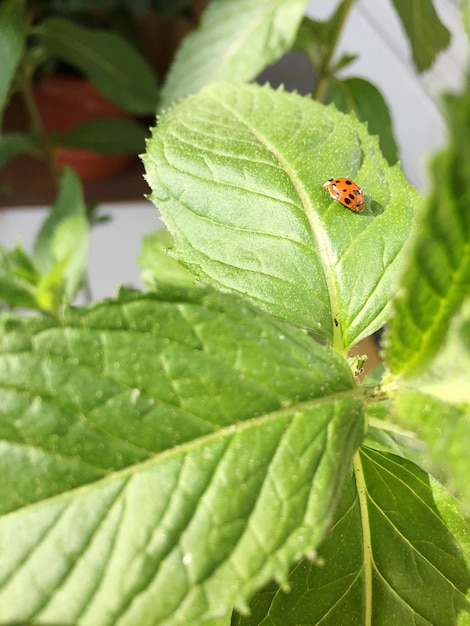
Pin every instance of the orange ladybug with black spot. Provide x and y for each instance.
(347, 192)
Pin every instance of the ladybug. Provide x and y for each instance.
(347, 192)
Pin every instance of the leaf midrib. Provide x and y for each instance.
(326, 262)
(355, 393)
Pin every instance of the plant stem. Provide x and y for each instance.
(324, 69)
(37, 127)
(366, 538)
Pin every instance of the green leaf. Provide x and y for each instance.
(438, 275)
(318, 38)
(209, 443)
(446, 376)
(237, 39)
(12, 41)
(237, 172)
(158, 266)
(465, 11)
(61, 248)
(446, 431)
(366, 101)
(18, 279)
(107, 136)
(112, 65)
(12, 144)
(397, 553)
(427, 34)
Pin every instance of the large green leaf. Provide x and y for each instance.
(12, 40)
(398, 553)
(438, 275)
(237, 39)
(162, 457)
(237, 172)
(362, 97)
(113, 65)
(427, 34)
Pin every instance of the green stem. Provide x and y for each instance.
(36, 125)
(367, 554)
(324, 69)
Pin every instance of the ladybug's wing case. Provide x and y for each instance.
(347, 192)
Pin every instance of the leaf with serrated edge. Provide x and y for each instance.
(237, 172)
(163, 456)
(237, 39)
(398, 553)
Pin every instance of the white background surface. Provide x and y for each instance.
(374, 32)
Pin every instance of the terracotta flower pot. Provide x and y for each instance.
(65, 101)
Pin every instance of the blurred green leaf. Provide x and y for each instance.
(398, 553)
(148, 480)
(236, 40)
(446, 431)
(74, 7)
(345, 60)
(447, 374)
(18, 279)
(465, 11)
(427, 34)
(158, 266)
(318, 38)
(249, 214)
(12, 144)
(61, 248)
(112, 65)
(438, 276)
(12, 41)
(168, 8)
(366, 101)
(107, 136)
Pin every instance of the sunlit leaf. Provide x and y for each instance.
(237, 172)
(162, 457)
